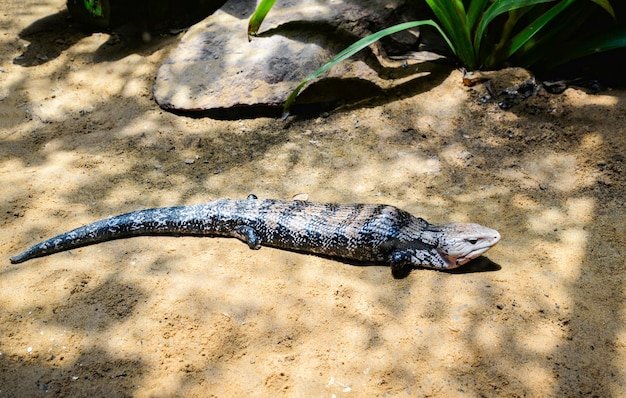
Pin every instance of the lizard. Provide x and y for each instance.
(372, 233)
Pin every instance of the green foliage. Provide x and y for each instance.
(353, 49)
(94, 7)
(93, 13)
(487, 34)
(259, 15)
(519, 25)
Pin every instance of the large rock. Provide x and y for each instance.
(216, 72)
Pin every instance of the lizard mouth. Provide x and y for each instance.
(471, 255)
(477, 252)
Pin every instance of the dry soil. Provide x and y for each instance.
(81, 139)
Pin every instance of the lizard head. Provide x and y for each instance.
(459, 243)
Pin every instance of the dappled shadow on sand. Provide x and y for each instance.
(182, 316)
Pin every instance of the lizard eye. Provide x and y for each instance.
(473, 241)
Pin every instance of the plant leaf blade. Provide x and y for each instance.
(258, 16)
(498, 8)
(353, 49)
(527, 33)
(606, 5)
(451, 15)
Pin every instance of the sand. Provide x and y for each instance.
(82, 139)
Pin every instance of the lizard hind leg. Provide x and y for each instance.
(248, 234)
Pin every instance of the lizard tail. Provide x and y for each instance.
(173, 221)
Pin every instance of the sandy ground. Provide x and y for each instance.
(82, 139)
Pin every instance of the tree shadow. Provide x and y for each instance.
(48, 38)
(94, 372)
(132, 30)
(62, 364)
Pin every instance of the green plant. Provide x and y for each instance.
(485, 34)
(353, 49)
(93, 13)
(472, 28)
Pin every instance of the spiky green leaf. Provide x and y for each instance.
(606, 5)
(534, 27)
(451, 15)
(498, 8)
(259, 15)
(355, 48)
